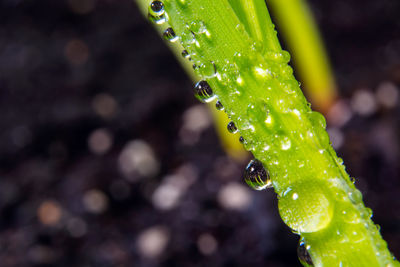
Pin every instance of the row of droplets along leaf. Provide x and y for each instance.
(204, 93)
(256, 176)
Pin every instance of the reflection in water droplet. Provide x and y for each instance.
(232, 127)
(170, 35)
(219, 106)
(302, 253)
(186, 54)
(203, 92)
(256, 176)
(157, 8)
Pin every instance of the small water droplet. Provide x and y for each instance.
(263, 73)
(208, 69)
(203, 92)
(186, 54)
(157, 19)
(352, 179)
(157, 8)
(170, 35)
(188, 38)
(350, 215)
(198, 27)
(241, 140)
(232, 127)
(219, 106)
(355, 196)
(285, 143)
(302, 253)
(256, 176)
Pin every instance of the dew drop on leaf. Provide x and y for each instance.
(208, 69)
(285, 143)
(157, 8)
(170, 35)
(219, 106)
(302, 253)
(232, 127)
(188, 38)
(256, 176)
(306, 206)
(203, 92)
(157, 19)
(186, 54)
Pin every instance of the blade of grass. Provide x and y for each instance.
(297, 26)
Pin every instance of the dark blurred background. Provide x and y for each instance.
(106, 158)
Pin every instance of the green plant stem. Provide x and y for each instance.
(298, 28)
(230, 143)
(259, 93)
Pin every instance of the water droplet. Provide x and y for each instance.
(352, 179)
(317, 119)
(306, 207)
(355, 196)
(263, 73)
(350, 215)
(219, 106)
(232, 127)
(198, 27)
(186, 54)
(256, 176)
(366, 213)
(188, 38)
(170, 35)
(302, 253)
(203, 92)
(208, 70)
(157, 19)
(285, 143)
(157, 8)
(241, 140)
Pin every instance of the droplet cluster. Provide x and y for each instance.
(276, 124)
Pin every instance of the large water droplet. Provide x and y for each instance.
(170, 35)
(203, 92)
(302, 253)
(219, 106)
(306, 206)
(156, 8)
(232, 127)
(256, 176)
